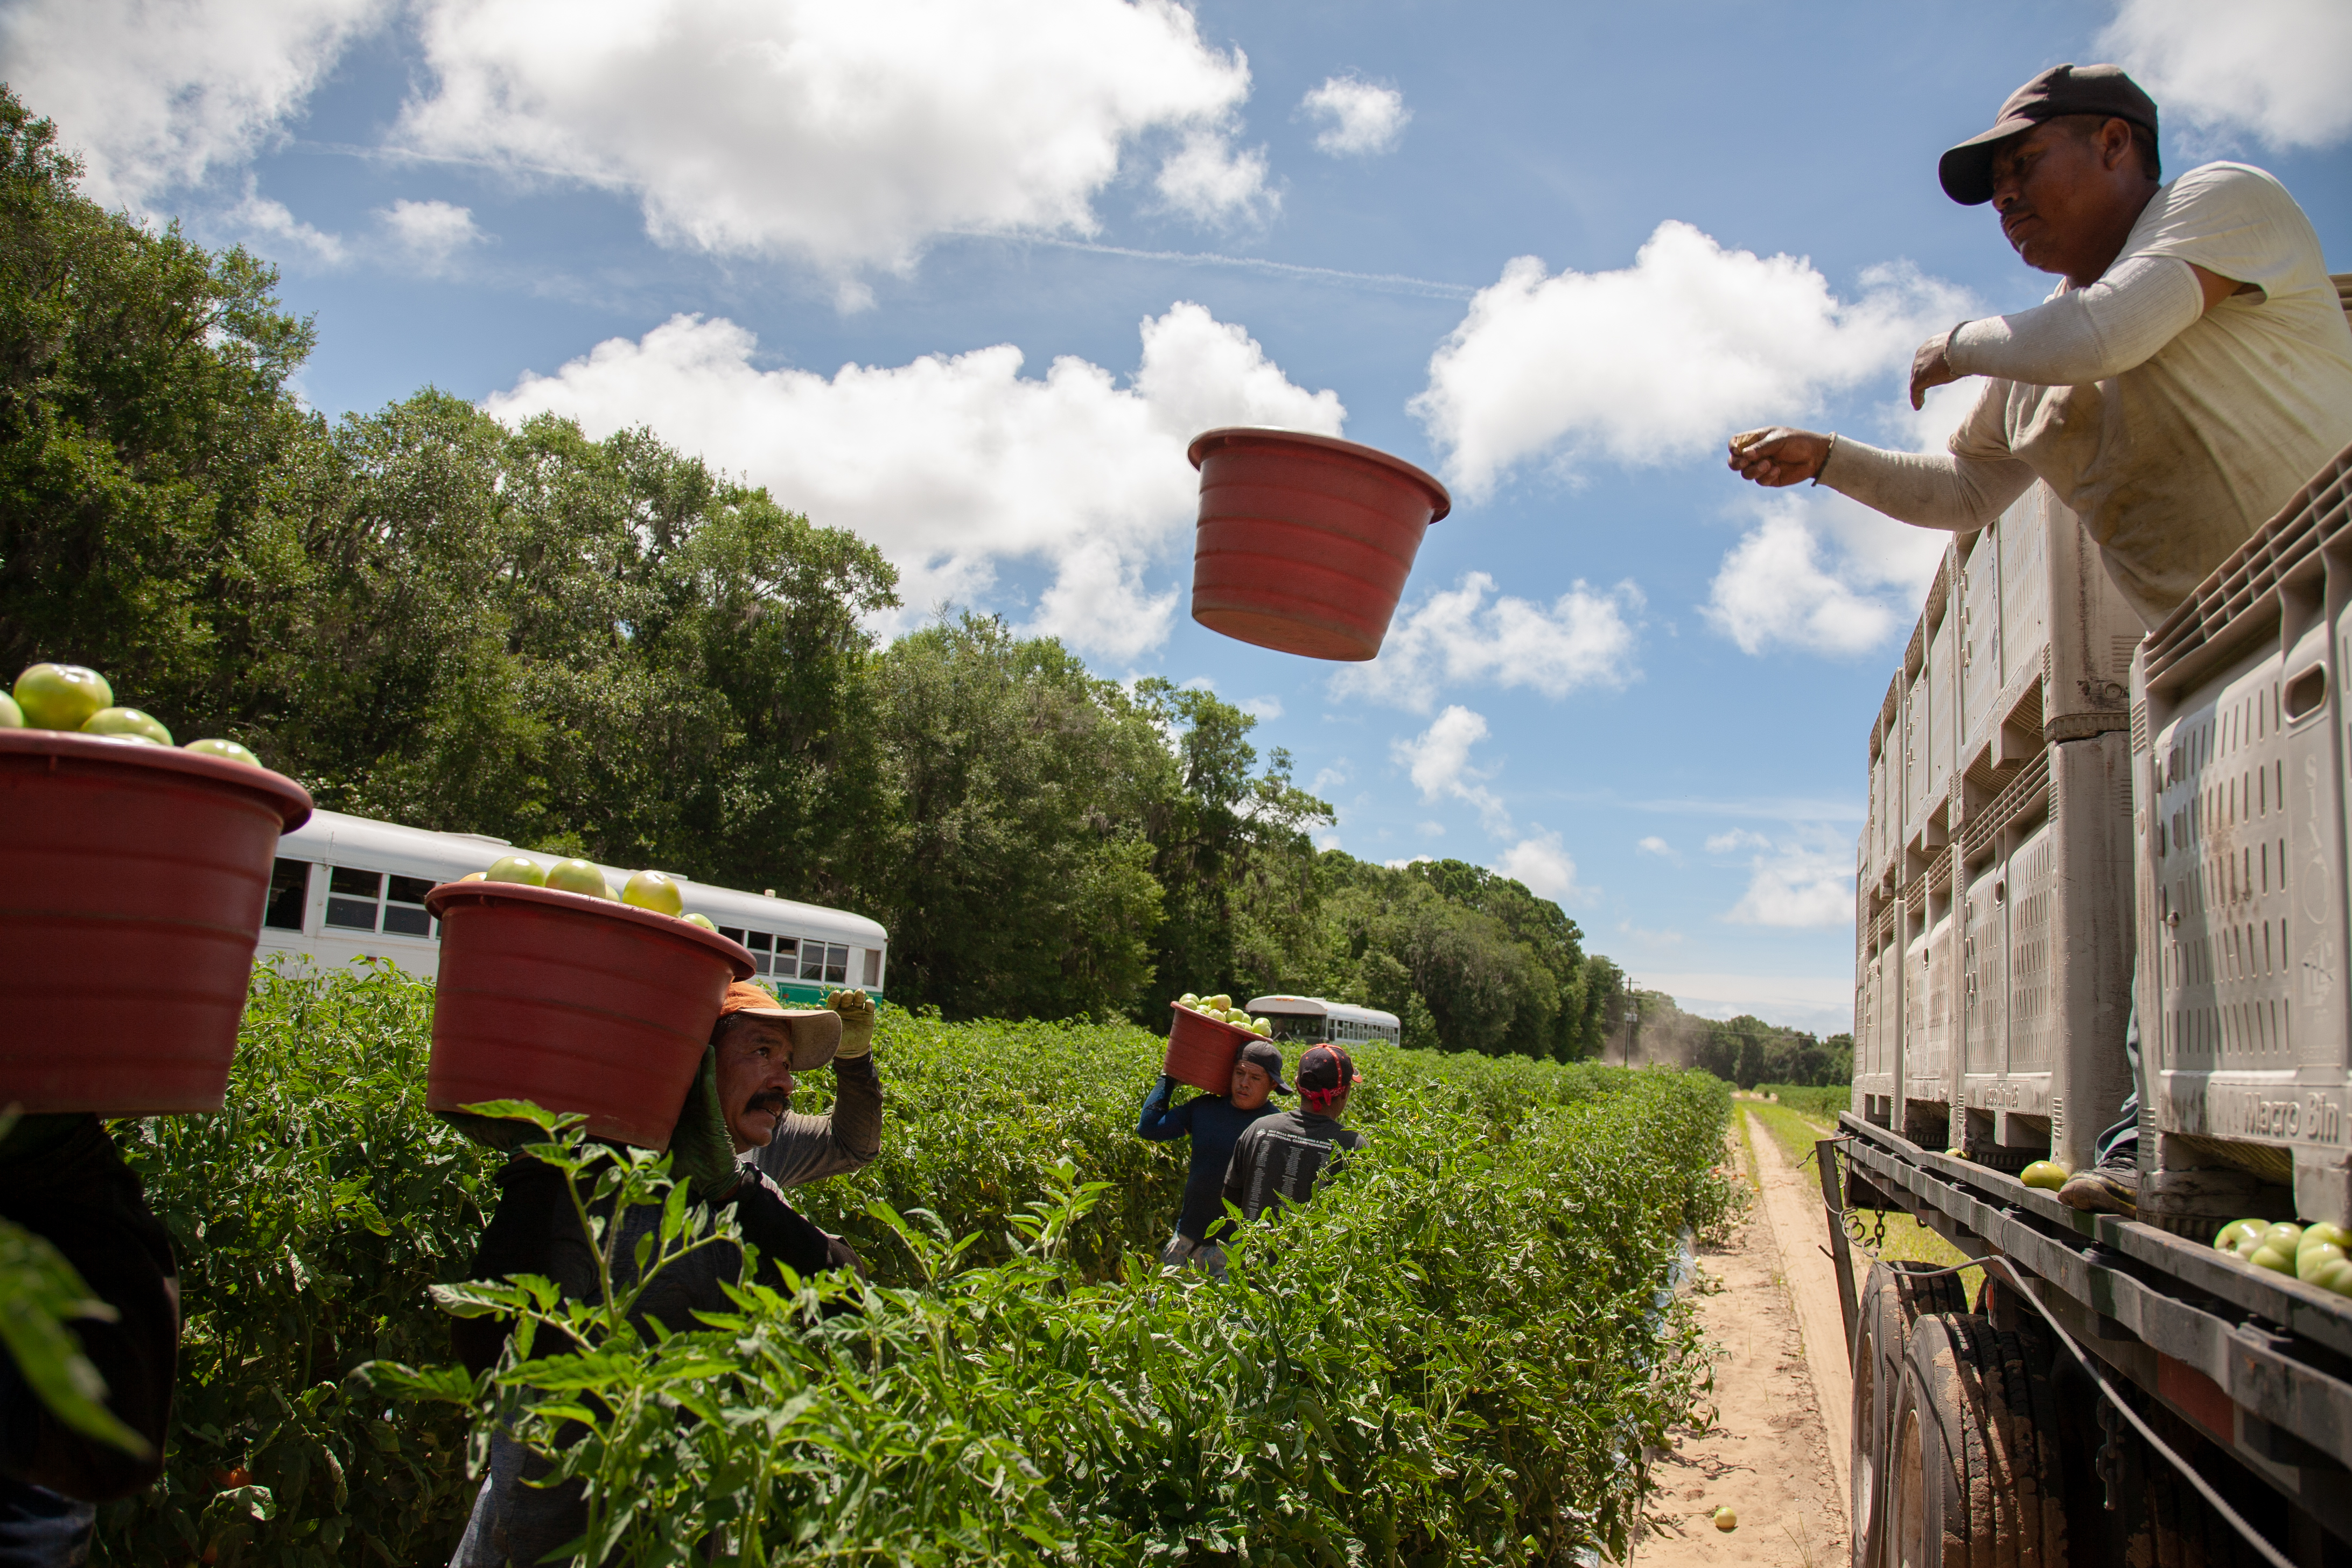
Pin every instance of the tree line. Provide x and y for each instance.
(603, 647)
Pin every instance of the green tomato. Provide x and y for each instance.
(655, 891)
(2236, 1232)
(1188, 1000)
(2271, 1257)
(2312, 1261)
(11, 716)
(2048, 1174)
(1726, 1520)
(228, 749)
(2335, 1234)
(1262, 1027)
(2336, 1277)
(2284, 1236)
(1219, 1003)
(61, 696)
(577, 876)
(126, 722)
(702, 921)
(517, 868)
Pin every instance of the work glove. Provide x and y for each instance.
(857, 1010)
(701, 1149)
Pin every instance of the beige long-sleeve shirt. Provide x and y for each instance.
(2173, 461)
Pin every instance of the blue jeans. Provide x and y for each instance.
(2119, 1144)
(40, 1529)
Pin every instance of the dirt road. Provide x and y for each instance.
(1771, 1308)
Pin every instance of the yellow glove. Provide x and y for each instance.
(857, 1010)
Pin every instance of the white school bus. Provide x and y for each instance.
(346, 888)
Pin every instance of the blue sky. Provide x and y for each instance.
(1553, 253)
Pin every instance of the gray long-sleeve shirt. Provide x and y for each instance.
(810, 1148)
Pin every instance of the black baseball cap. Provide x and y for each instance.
(1266, 1054)
(1326, 1070)
(1966, 170)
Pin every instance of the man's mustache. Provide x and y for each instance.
(773, 1099)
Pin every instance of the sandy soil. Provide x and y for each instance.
(1769, 1305)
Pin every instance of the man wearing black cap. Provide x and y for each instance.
(2192, 369)
(2189, 372)
(1214, 1123)
(1283, 1157)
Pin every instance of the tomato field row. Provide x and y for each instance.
(1457, 1354)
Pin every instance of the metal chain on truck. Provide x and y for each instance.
(1849, 1223)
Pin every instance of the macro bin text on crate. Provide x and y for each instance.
(2240, 749)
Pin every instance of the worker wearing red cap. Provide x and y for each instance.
(1283, 1157)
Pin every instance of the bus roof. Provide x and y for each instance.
(330, 835)
(1319, 1007)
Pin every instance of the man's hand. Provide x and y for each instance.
(839, 1254)
(857, 1010)
(701, 1149)
(1779, 456)
(1930, 368)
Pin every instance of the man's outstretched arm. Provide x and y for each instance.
(1928, 490)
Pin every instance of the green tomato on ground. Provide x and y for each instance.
(2237, 1232)
(11, 716)
(2311, 1260)
(1726, 1520)
(2047, 1175)
(61, 696)
(702, 921)
(517, 868)
(228, 751)
(577, 876)
(655, 891)
(126, 722)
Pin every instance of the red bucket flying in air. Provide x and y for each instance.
(1304, 541)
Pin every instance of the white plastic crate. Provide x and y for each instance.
(2240, 751)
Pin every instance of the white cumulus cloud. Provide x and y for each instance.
(1546, 870)
(1653, 845)
(430, 234)
(159, 94)
(1803, 880)
(1662, 360)
(1461, 635)
(846, 136)
(1438, 762)
(1357, 117)
(2273, 69)
(953, 464)
(271, 228)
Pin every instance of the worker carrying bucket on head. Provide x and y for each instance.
(739, 1106)
(2190, 371)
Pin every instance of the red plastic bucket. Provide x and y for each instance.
(1304, 541)
(1200, 1050)
(573, 1003)
(132, 880)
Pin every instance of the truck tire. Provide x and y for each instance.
(1894, 1295)
(1974, 1466)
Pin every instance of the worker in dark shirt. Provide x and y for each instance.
(1282, 1157)
(741, 1098)
(1214, 1123)
(62, 1180)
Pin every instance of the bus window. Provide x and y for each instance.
(403, 908)
(352, 896)
(837, 965)
(787, 956)
(732, 933)
(289, 894)
(873, 967)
